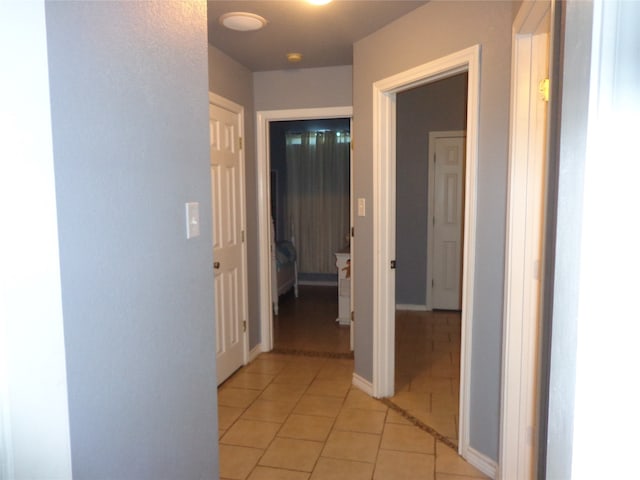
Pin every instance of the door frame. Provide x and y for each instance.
(215, 99)
(263, 119)
(524, 242)
(384, 216)
(431, 207)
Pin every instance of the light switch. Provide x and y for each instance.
(362, 207)
(192, 211)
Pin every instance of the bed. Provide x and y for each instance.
(284, 268)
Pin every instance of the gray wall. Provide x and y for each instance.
(428, 33)
(303, 88)
(233, 81)
(128, 86)
(438, 106)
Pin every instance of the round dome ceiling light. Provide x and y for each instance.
(294, 57)
(242, 21)
(319, 2)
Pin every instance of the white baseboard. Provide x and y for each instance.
(480, 461)
(412, 308)
(365, 385)
(255, 351)
(318, 283)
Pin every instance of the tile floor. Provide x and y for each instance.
(292, 417)
(428, 369)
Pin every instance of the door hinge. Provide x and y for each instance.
(433, 284)
(353, 232)
(543, 89)
(393, 264)
(242, 235)
(244, 325)
(353, 316)
(240, 143)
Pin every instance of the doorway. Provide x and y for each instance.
(264, 118)
(384, 136)
(310, 210)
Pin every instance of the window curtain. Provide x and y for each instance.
(318, 197)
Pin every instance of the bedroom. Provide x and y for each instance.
(309, 201)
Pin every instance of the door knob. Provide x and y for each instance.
(216, 265)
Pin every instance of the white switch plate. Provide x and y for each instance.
(192, 211)
(362, 207)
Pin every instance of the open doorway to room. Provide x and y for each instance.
(338, 342)
(385, 96)
(430, 177)
(309, 191)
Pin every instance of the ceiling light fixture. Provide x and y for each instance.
(319, 2)
(242, 21)
(294, 57)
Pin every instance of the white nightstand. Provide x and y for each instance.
(343, 262)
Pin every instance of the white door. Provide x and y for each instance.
(229, 253)
(447, 194)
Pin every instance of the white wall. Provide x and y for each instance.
(428, 33)
(34, 420)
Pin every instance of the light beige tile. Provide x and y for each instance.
(407, 438)
(269, 410)
(451, 476)
(292, 454)
(294, 377)
(444, 403)
(403, 466)
(448, 461)
(307, 427)
(254, 381)
(360, 447)
(443, 424)
(329, 387)
(266, 365)
(236, 397)
(337, 469)
(428, 384)
(358, 399)
(336, 371)
(269, 473)
(228, 415)
(357, 420)
(283, 392)
(318, 405)
(237, 462)
(395, 417)
(250, 433)
(412, 400)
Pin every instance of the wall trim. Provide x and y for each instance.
(412, 308)
(482, 463)
(384, 212)
(255, 352)
(360, 383)
(524, 243)
(263, 118)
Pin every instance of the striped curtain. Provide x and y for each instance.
(318, 196)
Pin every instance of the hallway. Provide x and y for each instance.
(294, 417)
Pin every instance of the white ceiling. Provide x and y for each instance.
(323, 34)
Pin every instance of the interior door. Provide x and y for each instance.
(447, 222)
(229, 254)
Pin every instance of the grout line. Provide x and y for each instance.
(418, 423)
